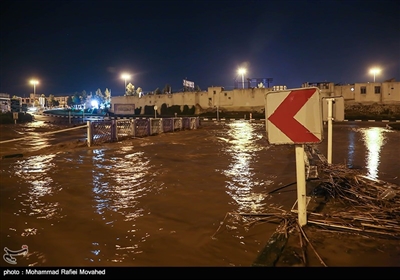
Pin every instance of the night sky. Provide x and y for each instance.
(71, 46)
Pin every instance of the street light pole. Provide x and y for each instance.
(374, 71)
(125, 77)
(242, 71)
(34, 83)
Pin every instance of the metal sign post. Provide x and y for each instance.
(301, 185)
(15, 117)
(330, 118)
(294, 116)
(155, 111)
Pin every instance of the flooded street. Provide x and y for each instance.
(160, 200)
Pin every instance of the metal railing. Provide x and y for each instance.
(119, 129)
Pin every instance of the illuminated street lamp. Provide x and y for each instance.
(375, 71)
(34, 83)
(242, 71)
(125, 77)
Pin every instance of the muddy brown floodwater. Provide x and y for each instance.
(159, 200)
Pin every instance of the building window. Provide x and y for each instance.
(363, 90)
(378, 89)
(214, 92)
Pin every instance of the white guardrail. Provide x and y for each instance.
(53, 132)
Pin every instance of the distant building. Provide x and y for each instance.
(5, 102)
(387, 92)
(239, 99)
(42, 101)
(62, 100)
(30, 101)
(253, 99)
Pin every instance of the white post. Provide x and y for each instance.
(218, 107)
(69, 116)
(115, 130)
(89, 134)
(301, 185)
(134, 127)
(330, 104)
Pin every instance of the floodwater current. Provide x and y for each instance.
(162, 200)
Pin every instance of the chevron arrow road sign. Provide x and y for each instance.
(294, 116)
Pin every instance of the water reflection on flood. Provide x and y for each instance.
(241, 183)
(374, 139)
(34, 136)
(119, 191)
(34, 171)
(117, 196)
(351, 147)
